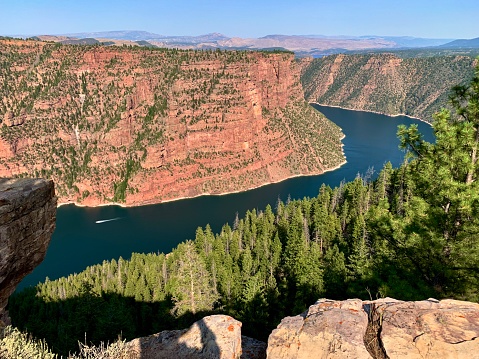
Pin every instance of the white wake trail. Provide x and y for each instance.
(108, 220)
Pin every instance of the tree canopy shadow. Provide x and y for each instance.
(93, 318)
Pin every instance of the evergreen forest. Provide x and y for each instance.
(411, 233)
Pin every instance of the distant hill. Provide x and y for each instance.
(85, 41)
(399, 41)
(307, 45)
(118, 35)
(414, 42)
(385, 83)
(54, 38)
(148, 36)
(145, 43)
(302, 45)
(462, 44)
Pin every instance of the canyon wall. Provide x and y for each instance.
(27, 221)
(138, 126)
(385, 83)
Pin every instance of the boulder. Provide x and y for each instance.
(27, 221)
(215, 337)
(430, 329)
(384, 328)
(328, 329)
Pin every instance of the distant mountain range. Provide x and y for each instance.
(302, 45)
(147, 36)
(462, 44)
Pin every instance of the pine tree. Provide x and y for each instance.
(439, 233)
(192, 288)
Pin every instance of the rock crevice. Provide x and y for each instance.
(372, 337)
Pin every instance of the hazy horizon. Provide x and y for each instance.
(346, 36)
(442, 19)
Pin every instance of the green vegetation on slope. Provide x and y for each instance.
(103, 121)
(386, 83)
(410, 234)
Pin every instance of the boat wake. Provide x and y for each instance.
(107, 220)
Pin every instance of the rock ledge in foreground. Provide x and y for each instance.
(384, 328)
(27, 221)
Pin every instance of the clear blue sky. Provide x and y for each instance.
(245, 18)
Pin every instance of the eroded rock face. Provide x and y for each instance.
(138, 126)
(385, 328)
(328, 329)
(430, 329)
(215, 336)
(27, 221)
(10, 120)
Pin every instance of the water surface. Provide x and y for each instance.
(86, 236)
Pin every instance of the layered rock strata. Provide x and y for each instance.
(384, 328)
(27, 221)
(328, 329)
(385, 83)
(139, 126)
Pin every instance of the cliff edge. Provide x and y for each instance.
(379, 329)
(27, 221)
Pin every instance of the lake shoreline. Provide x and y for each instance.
(252, 188)
(76, 204)
(79, 241)
(370, 111)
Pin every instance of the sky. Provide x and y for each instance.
(451, 19)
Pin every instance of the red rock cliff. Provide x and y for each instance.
(138, 126)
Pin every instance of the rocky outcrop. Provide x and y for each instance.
(385, 83)
(10, 120)
(328, 329)
(215, 336)
(379, 329)
(27, 221)
(140, 126)
(430, 329)
(384, 328)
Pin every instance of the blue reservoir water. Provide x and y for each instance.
(79, 241)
